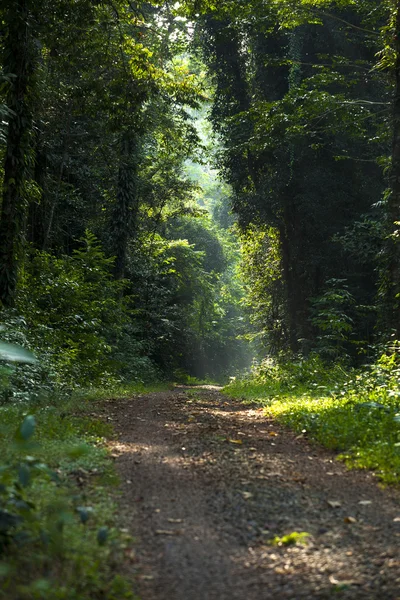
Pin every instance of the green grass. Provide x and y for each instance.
(67, 544)
(195, 381)
(291, 539)
(358, 417)
(120, 391)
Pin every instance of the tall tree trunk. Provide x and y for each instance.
(290, 291)
(392, 299)
(18, 62)
(35, 229)
(124, 215)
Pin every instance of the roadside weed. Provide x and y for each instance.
(59, 539)
(296, 537)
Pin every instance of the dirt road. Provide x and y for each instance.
(206, 484)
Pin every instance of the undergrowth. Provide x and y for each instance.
(122, 390)
(59, 538)
(356, 413)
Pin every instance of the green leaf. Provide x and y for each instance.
(84, 513)
(371, 405)
(5, 569)
(24, 475)
(291, 539)
(102, 535)
(27, 428)
(14, 353)
(7, 521)
(41, 586)
(78, 451)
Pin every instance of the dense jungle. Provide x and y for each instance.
(199, 290)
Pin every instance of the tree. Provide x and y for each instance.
(391, 279)
(19, 66)
(292, 147)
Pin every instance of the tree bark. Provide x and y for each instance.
(393, 209)
(124, 216)
(18, 62)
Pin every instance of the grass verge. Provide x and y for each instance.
(59, 535)
(358, 415)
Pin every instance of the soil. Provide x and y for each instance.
(208, 482)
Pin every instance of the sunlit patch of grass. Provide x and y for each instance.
(360, 418)
(296, 537)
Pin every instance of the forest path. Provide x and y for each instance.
(203, 506)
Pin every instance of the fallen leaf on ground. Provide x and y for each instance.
(168, 532)
(273, 433)
(335, 581)
(350, 520)
(247, 495)
(365, 502)
(235, 441)
(334, 503)
(130, 554)
(175, 520)
(296, 476)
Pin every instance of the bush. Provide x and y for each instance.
(57, 541)
(72, 311)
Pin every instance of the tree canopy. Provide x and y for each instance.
(147, 149)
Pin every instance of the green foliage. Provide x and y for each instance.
(113, 98)
(264, 299)
(291, 539)
(301, 113)
(123, 390)
(332, 318)
(86, 312)
(87, 338)
(289, 376)
(57, 540)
